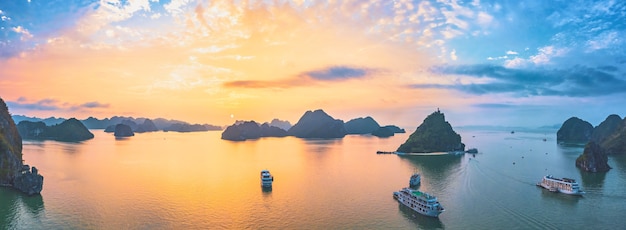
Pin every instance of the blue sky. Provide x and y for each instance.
(519, 62)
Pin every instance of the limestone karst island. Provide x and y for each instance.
(13, 171)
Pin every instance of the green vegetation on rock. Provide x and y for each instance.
(435, 134)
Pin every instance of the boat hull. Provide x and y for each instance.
(421, 208)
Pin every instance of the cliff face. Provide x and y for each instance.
(317, 124)
(606, 128)
(361, 125)
(10, 147)
(616, 142)
(593, 159)
(12, 171)
(574, 130)
(435, 134)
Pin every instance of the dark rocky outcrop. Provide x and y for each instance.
(394, 129)
(29, 181)
(361, 125)
(270, 131)
(616, 142)
(68, 130)
(146, 126)
(574, 130)
(606, 128)
(383, 132)
(593, 159)
(435, 134)
(12, 170)
(317, 124)
(242, 131)
(122, 130)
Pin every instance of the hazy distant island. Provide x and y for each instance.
(13, 172)
(368, 125)
(435, 134)
(313, 124)
(69, 130)
(608, 138)
(138, 125)
(241, 131)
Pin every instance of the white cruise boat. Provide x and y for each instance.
(266, 178)
(562, 185)
(421, 202)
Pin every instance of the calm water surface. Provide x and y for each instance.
(169, 180)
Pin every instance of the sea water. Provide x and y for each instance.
(170, 180)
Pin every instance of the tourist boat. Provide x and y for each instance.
(472, 150)
(266, 178)
(421, 202)
(415, 180)
(562, 185)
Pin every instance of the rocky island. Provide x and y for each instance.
(361, 125)
(70, 130)
(244, 130)
(13, 172)
(317, 124)
(435, 134)
(574, 130)
(123, 130)
(593, 159)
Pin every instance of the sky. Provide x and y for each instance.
(505, 63)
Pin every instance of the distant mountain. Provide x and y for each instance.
(146, 126)
(435, 134)
(68, 130)
(394, 129)
(317, 124)
(574, 130)
(361, 125)
(159, 123)
(383, 132)
(48, 121)
(285, 125)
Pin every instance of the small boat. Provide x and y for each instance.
(421, 202)
(562, 185)
(415, 180)
(472, 150)
(266, 178)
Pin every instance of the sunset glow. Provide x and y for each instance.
(518, 63)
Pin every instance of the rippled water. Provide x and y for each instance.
(169, 180)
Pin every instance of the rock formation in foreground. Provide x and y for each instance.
(122, 130)
(606, 128)
(68, 130)
(435, 134)
(574, 130)
(317, 124)
(361, 125)
(616, 142)
(12, 170)
(593, 159)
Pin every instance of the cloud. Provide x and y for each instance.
(337, 73)
(308, 78)
(510, 52)
(578, 81)
(49, 104)
(25, 34)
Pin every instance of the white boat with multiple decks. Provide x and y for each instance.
(421, 202)
(266, 178)
(562, 185)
